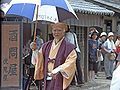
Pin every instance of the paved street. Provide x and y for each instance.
(101, 83)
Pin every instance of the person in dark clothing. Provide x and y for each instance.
(31, 67)
(30, 72)
(93, 49)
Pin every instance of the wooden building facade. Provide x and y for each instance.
(90, 15)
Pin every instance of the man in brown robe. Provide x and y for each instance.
(55, 61)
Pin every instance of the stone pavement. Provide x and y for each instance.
(101, 83)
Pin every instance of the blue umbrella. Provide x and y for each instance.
(47, 10)
(28, 8)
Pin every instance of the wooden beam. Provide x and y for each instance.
(86, 55)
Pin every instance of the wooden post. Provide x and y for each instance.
(86, 56)
(114, 24)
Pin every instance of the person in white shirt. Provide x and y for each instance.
(109, 47)
(115, 83)
(72, 38)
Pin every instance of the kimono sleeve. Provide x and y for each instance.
(68, 68)
(38, 75)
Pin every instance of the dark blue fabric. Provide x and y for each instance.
(93, 46)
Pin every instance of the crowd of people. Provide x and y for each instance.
(57, 64)
(105, 48)
(102, 48)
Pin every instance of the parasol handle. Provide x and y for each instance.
(36, 24)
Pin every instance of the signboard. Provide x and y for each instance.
(10, 58)
(45, 14)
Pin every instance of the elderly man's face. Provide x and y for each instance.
(58, 33)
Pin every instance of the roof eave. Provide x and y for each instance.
(105, 6)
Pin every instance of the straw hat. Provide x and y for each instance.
(103, 34)
(110, 34)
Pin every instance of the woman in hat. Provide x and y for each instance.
(109, 49)
(102, 38)
(93, 46)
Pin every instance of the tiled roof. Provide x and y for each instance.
(83, 6)
(89, 8)
(110, 3)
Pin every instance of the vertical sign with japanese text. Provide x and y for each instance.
(10, 70)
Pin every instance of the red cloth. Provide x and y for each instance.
(118, 49)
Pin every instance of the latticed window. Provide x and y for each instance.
(108, 25)
(80, 33)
